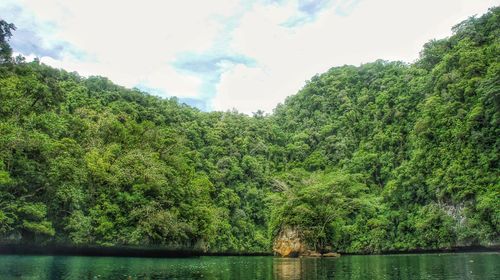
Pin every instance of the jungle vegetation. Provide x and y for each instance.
(383, 156)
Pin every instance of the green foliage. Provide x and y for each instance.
(384, 156)
(5, 34)
(423, 138)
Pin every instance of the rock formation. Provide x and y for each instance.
(288, 243)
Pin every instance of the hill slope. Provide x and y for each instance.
(385, 156)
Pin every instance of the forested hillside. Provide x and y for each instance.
(384, 156)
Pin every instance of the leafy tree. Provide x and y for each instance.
(5, 34)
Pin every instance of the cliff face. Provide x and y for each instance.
(288, 243)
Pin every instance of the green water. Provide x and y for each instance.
(425, 266)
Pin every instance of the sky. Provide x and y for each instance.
(226, 54)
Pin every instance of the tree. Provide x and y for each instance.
(5, 34)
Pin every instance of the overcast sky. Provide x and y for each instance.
(223, 54)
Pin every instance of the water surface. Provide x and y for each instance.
(423, 266)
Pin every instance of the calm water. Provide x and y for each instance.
(430, 266)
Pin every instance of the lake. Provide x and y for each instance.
(421, 266)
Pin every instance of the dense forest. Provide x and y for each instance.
(384, 156)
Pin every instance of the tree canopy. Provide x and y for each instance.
(384, 156)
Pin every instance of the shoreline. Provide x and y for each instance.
(138, 252)
(462, 249)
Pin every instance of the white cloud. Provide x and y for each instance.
(136, 42)
(261, 89)
(133, 42)
(382, 29)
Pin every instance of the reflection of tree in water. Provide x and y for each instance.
(387, 267)
(401, 267)
(302, 268)
(287, 268)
